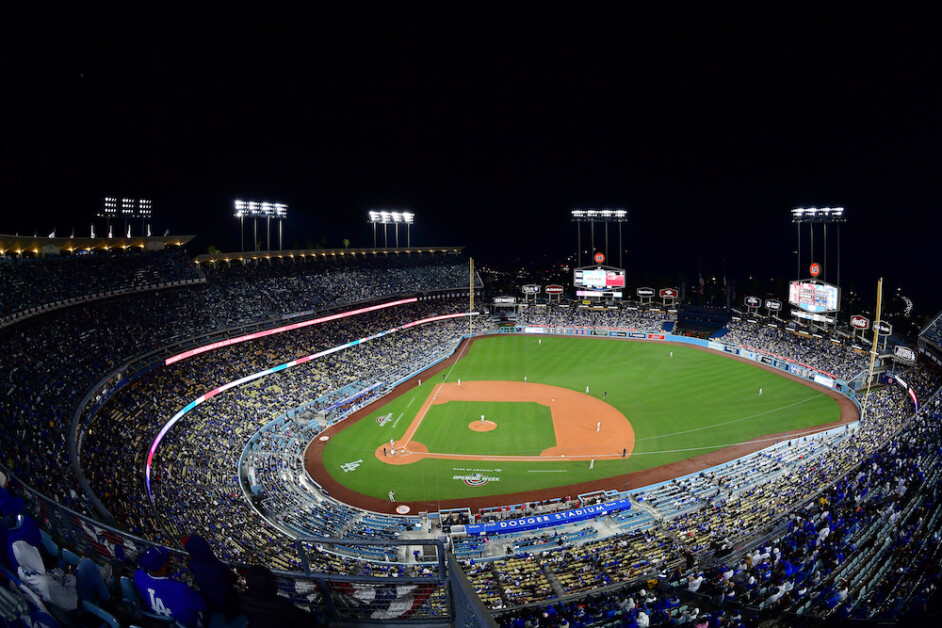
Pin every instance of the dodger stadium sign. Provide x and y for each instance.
(547, 520)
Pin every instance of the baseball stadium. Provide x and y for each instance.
(396, 445)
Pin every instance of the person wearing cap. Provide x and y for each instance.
(162, 594)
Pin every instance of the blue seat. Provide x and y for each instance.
(106, 617)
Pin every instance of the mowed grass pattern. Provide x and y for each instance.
(523, 429)
(681, 406)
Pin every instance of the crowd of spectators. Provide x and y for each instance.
(49, 362)
(838, 358)
(42, 583)
(623, 317)
(30, 283)
(212, 436)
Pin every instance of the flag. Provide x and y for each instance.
(724, 283)
(110, 232)
(701, 282)
(93, 230)
(383, 601)
(129, 231)
(53, 234)
(148, 230)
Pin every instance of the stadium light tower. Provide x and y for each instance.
(256, 210)
(593, 216)
(396, 218)
(823, 216)
(126, 208)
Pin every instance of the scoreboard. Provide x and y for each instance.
(599, 278)
(814, 297)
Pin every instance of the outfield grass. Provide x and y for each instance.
(679, 407)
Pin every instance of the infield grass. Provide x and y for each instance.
(679, 407)
(523, 429)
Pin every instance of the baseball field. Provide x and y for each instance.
(516, 414)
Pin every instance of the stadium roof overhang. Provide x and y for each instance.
(30, 245)
(326, 254)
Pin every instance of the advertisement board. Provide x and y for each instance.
(814, 297)
(753, 302)
(645, 292)
(904, 354)
(668, 293)
(598, 293)
(859, 322)
(884, 328)
(505, 300)
(531, 288)
(773, 305)
(547, 520)
(554, 289)
(823, 380)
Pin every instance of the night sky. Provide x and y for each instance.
(708, 122)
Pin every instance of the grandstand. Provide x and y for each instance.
(842, 524)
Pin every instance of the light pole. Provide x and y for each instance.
(256, 210)
(822, 216)
(385, 217)
(593, 216)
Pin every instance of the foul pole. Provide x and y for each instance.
(471, 297)
(873, 346)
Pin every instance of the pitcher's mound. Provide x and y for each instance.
(483, 426)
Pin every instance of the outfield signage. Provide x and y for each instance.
(637, 334)
(505, 300)
(668, 293)
(773, 305)
(547, 520)
(645, 292)
(904, 353)
(531, 288)
(597, 293)
(860, 322)
(823, 380)
(753, 302)
(554, 289)
(884, 328)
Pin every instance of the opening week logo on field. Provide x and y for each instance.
(383, 420)
(477, 477)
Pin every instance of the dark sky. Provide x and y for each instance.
(707, 121)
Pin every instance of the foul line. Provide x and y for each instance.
(417, 421)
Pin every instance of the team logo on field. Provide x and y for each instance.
(476, 479)
(383, 420)
(351, 466)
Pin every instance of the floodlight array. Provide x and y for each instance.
(260, 209)
(383, 217)
(126, 208)
(600, 215)
(818, 214)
